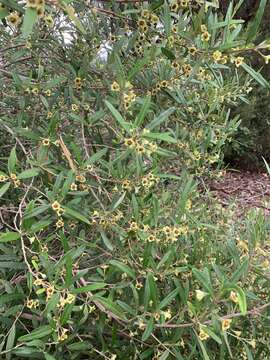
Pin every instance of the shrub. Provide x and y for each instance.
(110, 113)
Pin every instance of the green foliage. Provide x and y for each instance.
(111, 114)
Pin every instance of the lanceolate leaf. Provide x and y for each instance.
(123, 268)
(118, 117)
(37, 333)
(29, 19)
(256, 75)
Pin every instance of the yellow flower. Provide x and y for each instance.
(225, 324)
(115, 86)
(205, 36)
(140, 149)
(217, 55)
(130, 142)
(252, 343)
(62, 302)
(234, 297)
(167, 314)
(49, 20)
(81, 178)
(141, 324)
(14, 19)
(138, 285)
(154, 19)
(203, 335)
(56, 205)
(164, 83)
(74, 107)
(48, 92)
(238, 61)
(77, 81)
(203, 28)
(142, 23)
(35, 91)
(38, 282)
(184, 3)
(174, 7)
(59, 223)
(32, 304)
(151, 238)
(60, 212)
(243, 245)
(13, 176)
(29, 304)
(49, 292)
(126, 185)
(70, 298)
(40, 11)
(187, 69)
(192, 50)
(133, 226)
(17, 183)
(63, 335)
(46, 142)
(73, 187)
(3, 178)
(72, 225)
(32, 3)
(266, 59)
(175, 65)
(200, 295)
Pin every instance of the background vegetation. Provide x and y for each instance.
(112, 114)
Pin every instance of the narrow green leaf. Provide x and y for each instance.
(72, 16)
(37, 333)
(168, 53)
(105, 239)
(254, 24)
(49, 357)
(97, 156)
(76, 215)
(4, 188)
(160, 118)
(123, 268)
(204, 352)
(90, 287)
(12, 160)
(118, 117)
(267, 166)
(110, 305)
(3, 13)
(29, 19)
(148, 330)
(10, 340)
(144, 109)
(28, 174)
(255, 75)
(242, 300)
(139, 65)
(8, 298)
(242, 270)
(161, 136)
(9, 236)
(202, 277)
(168, 299)
(68, 266)
(117, 201)
(36, 211)
(213, 335)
